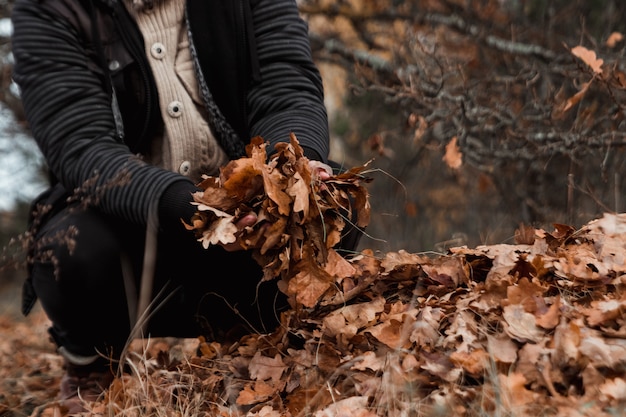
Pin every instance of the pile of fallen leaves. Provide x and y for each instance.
(532, 328)
(536, 328)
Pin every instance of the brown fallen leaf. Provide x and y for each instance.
(453, 156)
(589, 58)
(254, 393)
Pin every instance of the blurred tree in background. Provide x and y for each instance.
(478, 114)
(21, 168)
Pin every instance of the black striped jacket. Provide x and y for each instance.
(73, 56)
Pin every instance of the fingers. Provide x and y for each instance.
(322, 175)
(321, 170)
(247, 220)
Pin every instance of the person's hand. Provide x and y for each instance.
(248, 220)
(320, 170)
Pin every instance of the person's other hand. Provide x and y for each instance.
(248, 220)
(320, 170)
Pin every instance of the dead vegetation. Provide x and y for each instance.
(532, 328)
(525, 125)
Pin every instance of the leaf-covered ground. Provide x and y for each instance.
(528, 329)
(533, 328)
(30, 370)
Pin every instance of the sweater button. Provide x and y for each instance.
(175, 108)
(184, 168)
(157, 50)
(114, 65)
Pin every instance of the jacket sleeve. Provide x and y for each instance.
(289, 96)
(70, 117)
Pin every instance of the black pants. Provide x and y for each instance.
(87, 266)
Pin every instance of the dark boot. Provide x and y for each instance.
(83, 383)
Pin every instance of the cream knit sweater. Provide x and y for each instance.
(188, 145)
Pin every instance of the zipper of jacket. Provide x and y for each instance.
(124, 23)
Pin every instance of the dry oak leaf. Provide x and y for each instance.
(551, 318)
(309, 284)
(426, 328)
(502, 348)
(614, 388)
(395, 325)
(391, 332)
(589, 58)
(603, 352)
(335, 325)
(521, 325)
(613, 39)
(568, 104)
(609, 224)
(580, 264)
(514, 391)
(462, 332)
(338, 266)
(266, 411)
(263, 368)
(350, 183)
(368, 360)
(313, 280)
(350, 319)
(566, 342)
(439, 365)
(526, 293)
(453, 156)
(607, 234)
(363, 314)
(274, 189)
(254, 393)
(402, 264)
(356, 406)
(448, 271)
(529, 355)
(221, 230)
(474, 362)
(603, 311)
(299, 190)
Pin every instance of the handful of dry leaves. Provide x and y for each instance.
(300, 218)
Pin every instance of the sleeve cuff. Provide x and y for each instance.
(175, 205)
